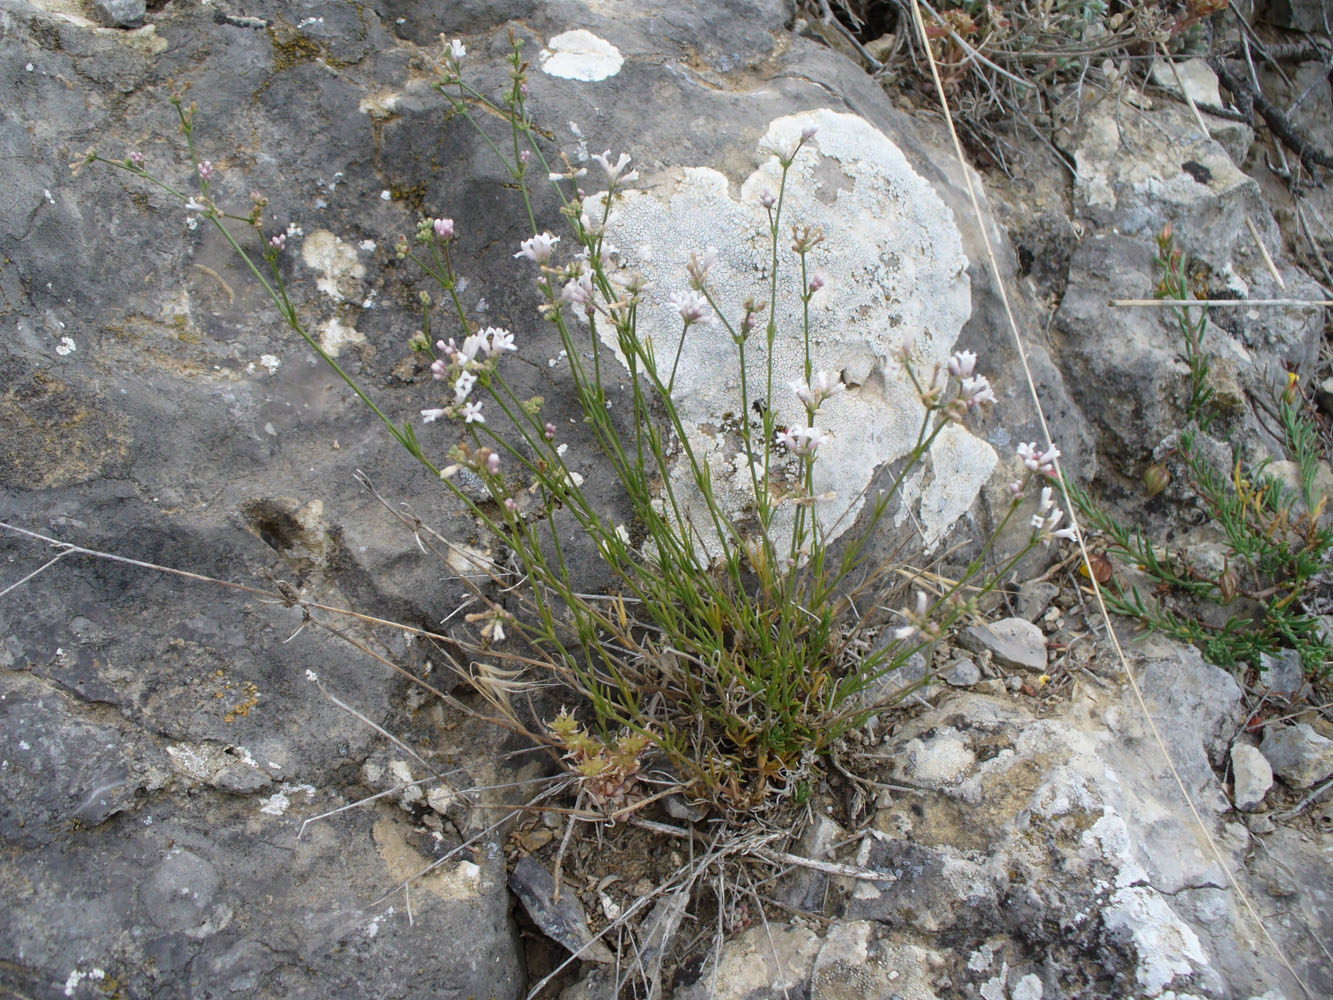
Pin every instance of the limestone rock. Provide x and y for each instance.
(1014, 642)
(120, 13)
(1253, 777)
(1298, 755)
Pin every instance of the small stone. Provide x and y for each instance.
(120, 13)
(1283, 674)
(1260, 824)
(992, 686)
(1254, 777)
(240, 779)
(1014, 642)
(1027, 988)
(1298, 755)
(1034, 597)
(962, 673)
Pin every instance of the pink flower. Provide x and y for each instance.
(439, 369)
(472, 413)
(802, 440)
(548, 432)
(444, 228)
(808, 132)
(492, 460)
(816, 282)
(578, 292)
(767, 198)
(1041, 462)
(511, 503)
(136, 158)
(206, 170)
(538, 248)
(692, 307)
(975, 391)
(278, 242)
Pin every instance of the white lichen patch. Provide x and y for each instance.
(339, 266)
(1166, 946)
(335, 335)
(580, 55)
(894, 267)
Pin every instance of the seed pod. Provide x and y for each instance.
(1156, 479)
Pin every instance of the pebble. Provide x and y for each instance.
(962, 673)
(1014, 642)
(1298, 755)
(1253, 777)
(120, 13)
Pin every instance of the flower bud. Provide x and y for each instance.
(1228, 584)
(1156, 479)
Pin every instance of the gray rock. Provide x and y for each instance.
(1301, 15)
(1013, 642)
(1283, 674)
(1253, 777)
(1298, 754)
(1034, 597)
(962, 673)
(120, 13)
(560, 917)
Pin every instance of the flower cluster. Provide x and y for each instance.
(1038, 461)
(1045, 520)
(803, 441)
(461, 365)
(821, 386)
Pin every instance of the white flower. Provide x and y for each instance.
(613, 172)
(430, 416)
(472, 413)
(578, 291)
(538, 248)
(962, 364)
(498, 340)
(692, 307)
(822, 385)
(1044, 523)
(1042, 462)
(457, 50)
(802, 440)
(975, 391)
(471, 345)
(463, 386)
(918, 623)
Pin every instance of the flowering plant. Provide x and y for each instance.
(732, 651)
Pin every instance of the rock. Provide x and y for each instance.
(1284, 674)
(1298, 755)
(962, 673)
(120, 13)
(562, 919)
(1253, 777)
(756, 962)
(1300, 15)
(1034, 597)
(1013, 642)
